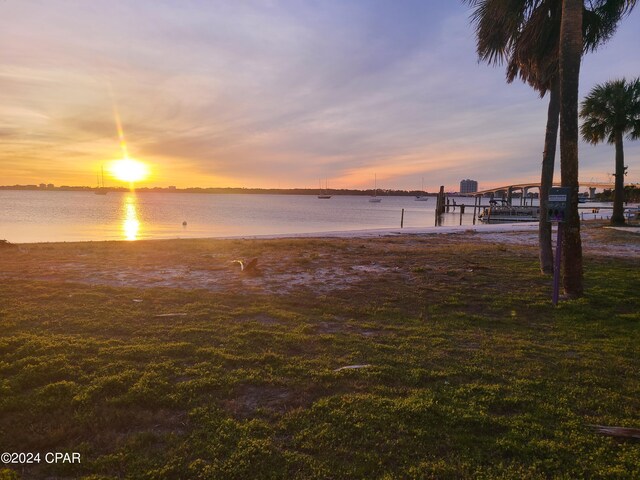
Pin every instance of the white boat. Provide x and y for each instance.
(375, 198)
(509, 213)
(323, 193)
(632, 213)
(422, 197)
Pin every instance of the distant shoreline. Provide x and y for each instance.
(226, 190)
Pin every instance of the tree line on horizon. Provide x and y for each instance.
(249, 190)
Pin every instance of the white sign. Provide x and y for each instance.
(557, 198)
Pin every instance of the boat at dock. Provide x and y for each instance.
(509, 214)
(632, 213)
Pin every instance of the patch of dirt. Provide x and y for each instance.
(248, 399)
(321, 266)
(596, 240)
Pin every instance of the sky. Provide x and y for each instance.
(276, 94)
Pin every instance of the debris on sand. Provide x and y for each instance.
(618, 432)
(248, 268)
(353, 367)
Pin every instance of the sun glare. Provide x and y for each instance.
(130, 224)
(129, 170)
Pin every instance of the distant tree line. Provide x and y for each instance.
(631, 194)
(230, 190)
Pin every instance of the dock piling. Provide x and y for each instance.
(440, 206)
(475, 203)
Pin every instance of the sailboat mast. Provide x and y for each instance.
(375, 198)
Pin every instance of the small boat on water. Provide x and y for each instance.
(375, 198)
(422, 197)
(323, 193)
(101, 190)
(509, 214)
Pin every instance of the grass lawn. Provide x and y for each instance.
(160, 359)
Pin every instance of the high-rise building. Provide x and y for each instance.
(468, 186)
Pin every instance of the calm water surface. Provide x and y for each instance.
(54, 216)
(34, 216)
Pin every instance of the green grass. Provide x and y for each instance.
(473, 374)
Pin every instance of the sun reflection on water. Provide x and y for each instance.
(130, 223)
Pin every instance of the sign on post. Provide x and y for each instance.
(557, 212)
(557, 204)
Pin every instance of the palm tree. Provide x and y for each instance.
(526, 34)
(610, 112)
(535, 60)
(570, 56)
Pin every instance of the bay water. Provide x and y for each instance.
(51, 216)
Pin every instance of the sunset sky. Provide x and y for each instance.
(275, 94)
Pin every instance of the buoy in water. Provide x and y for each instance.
(184, 224)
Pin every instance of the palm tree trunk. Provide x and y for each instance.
(546, 178)
(617, 218)
(570, 57)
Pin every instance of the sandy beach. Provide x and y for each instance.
(285, 262)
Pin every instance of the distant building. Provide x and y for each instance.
(468, 186)
(171, 187)
(43, 185)
(49, 185)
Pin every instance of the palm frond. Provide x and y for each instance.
(601, 21)
(525, 34)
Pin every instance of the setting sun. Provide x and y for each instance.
(129, 170)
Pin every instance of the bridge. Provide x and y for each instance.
(525, 187)
(508, 190)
